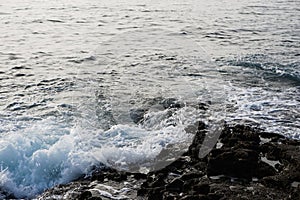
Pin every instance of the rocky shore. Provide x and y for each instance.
(246, 163)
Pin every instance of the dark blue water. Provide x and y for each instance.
(72, 72)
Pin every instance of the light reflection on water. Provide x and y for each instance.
(71, 62)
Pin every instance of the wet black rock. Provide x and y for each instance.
(85, 195)
(137, 115)
(175, 185)
(201, 188)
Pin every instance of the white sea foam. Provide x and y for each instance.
(46, 153)
(271, 110)
(38, 157)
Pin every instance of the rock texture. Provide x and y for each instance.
(245, 164)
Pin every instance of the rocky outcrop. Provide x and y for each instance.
(245, 164)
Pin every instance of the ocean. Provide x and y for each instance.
(76, 77)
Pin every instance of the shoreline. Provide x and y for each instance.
(250, 164)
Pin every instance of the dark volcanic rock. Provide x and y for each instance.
(250, 164)
(85, 195)
(175, 185)
(237, 163)
(137, 115)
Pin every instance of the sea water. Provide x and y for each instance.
(73, 72)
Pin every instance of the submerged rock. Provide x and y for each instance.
(137, 115)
